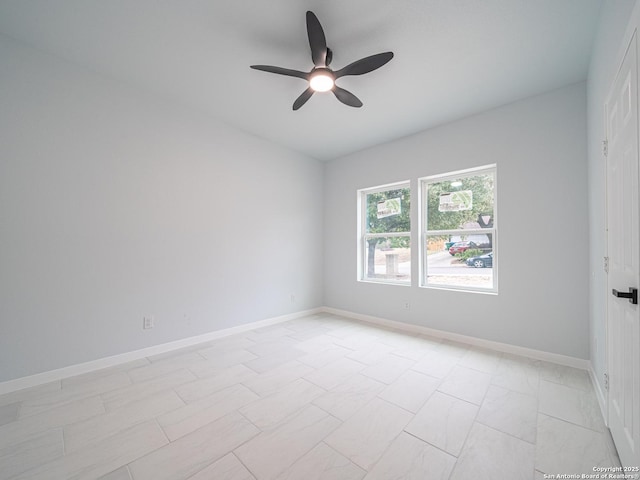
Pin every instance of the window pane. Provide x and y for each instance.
(460, 261)
(388, 211)
(387, 258)
(461, 203)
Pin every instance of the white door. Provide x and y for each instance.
(623, 316)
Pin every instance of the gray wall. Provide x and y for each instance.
(539, 146)
(115, 204)
(608, 52)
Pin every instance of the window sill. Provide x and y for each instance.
(451, 288)
(385, 282)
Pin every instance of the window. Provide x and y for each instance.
(384, 236)
(459, 230)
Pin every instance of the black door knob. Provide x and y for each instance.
(632, 295)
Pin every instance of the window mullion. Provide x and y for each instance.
(460, 232)
(384, 235)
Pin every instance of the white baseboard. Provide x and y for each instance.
(81, 368)
(600, 395)
(87, 367)
(478, 342)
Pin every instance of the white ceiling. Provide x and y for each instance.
(453, 58)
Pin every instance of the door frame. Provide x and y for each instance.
(632, 41)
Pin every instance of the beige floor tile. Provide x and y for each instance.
(444, 422)
(562, 447)
(323, 463)
(321, 358)
(188, 455)
(271, 347)
(203, 387)
(9, 413)
(415, 347)
(271, 410)
(269, 362)
(272, 381)
(568, 376)
(120, 397)
(227, 468)
(334, 373)
(510, 412)
(276, 449)
(186, 419)
(481, 359)
(570, 404)
(366, 435)
(120, 474)
(22, 457)
(103, 457)
(316, 344)
(466, 384)
(489, 454)
(411, 390)
(91, 388)
(219, 360)
(388, 368)
(517, 373)
(372, 354)
(66, 414)
(103, 372)
(227, 344)
(165, 366)
(267, 334)
(349, 397)
(452, 348)
(80, 434)
(436, 364)
(332, 399)
(409, 458)
(25, 393)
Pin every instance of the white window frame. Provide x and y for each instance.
(424, 233)
(363, 235)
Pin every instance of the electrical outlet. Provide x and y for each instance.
(293, 298)
(407, 306)
(148, 322)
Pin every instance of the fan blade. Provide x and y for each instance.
(302, 99)
(346, 97)
(281, 71)
(317, 40)
(365, 65)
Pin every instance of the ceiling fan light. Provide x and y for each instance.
(321, 82)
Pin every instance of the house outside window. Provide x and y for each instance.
(384, 250)
(459, 230)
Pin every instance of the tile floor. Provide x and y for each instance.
(320, 397)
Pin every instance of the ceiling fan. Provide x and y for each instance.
(321, 78)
